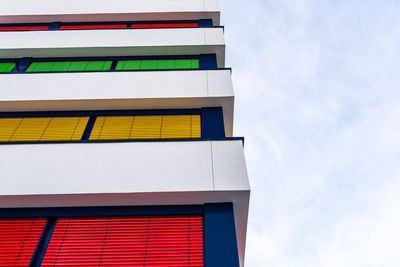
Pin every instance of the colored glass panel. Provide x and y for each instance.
(146, 127)
(93, 26)
(42, 128)
(162, 25)
(24, 27)
(18, 240)
(144, 64)
(165, 240)
(7, 66)
(69, 66)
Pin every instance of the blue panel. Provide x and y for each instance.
(212, 123)
(22, 64)
(54, 25)
(220, 236)
(208, 62)
(205, 23)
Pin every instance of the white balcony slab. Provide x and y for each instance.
(122, 42)
(119, 90)
(133, 173)
(117, 10)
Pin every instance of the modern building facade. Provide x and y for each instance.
(116, 144)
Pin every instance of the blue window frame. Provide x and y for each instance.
(96, 64)
(220, 243)
(211, 122)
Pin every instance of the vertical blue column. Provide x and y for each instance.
(205, 23)
(208, 62)
(220, 245)
(212, 123)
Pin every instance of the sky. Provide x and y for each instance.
(317, 87)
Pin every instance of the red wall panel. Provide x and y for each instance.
(18, 240)
(127, 241)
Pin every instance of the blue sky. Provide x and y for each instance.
(317, 87)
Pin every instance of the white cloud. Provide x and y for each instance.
(318, 100)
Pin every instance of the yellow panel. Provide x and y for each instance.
(8, 127)
(80, 128)
(98, 125)
(176, 126)
(196, 126)
(64, 128)
(146, 127)
(113, 127)
(31, 129)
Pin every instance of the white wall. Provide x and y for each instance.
(78, 10)
(126, 42)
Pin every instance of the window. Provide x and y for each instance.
(172, 240)
(23, 27)
(161, 25)
(18, 240)
(69, 66)
(93, 26)
(103, 25)
(146, 126)
(129, 63)
(42, 128)
(7, 66)
(99, 127)
(139, 64)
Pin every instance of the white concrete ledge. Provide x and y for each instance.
(118, 10)
(137, 173)
(119, 90)
(122, 42)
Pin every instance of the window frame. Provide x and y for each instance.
(211, 122)
(206, 62)
(219, 230)
(56, 26)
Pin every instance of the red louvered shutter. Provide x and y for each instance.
(93, 26)
(127, 241)
(18, 240)
(162, 25)
(26, 27)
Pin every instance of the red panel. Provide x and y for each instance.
(162, 25)
(13, 28)
(93, 26)
(18, 240)
(127, 241)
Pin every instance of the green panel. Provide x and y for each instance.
(166, 64)
(129, 64)
(99, 65)
(154, 64)
(61, 66)
(195, 63)
(69, 66)
(6, 66)
(183, 63)
(78, 66)
(151, 64)
(40, 66)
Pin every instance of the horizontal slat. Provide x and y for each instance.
(146, 126)
(18, 240)
(127, 241)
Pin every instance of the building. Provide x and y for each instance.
(116, 144)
